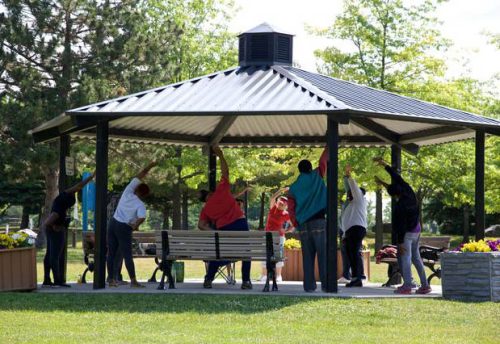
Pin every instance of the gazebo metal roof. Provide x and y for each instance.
(270, 106)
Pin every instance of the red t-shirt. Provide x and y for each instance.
(221, 208)
(276, 219)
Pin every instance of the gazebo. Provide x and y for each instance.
(265, 101)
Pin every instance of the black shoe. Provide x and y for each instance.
(47, 284)
(356, 283)
(246, 285)
(63, 285)
(207, 284)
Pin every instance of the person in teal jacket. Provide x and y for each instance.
(307, 210)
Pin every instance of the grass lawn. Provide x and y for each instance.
(42, 318)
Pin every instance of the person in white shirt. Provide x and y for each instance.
(354, 226)
(129, 215)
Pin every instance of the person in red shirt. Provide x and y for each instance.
(278, 220)
(222, 211)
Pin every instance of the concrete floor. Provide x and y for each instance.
(194, 286)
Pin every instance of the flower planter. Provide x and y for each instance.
(18, 269)
(293, 270)
(471, 276)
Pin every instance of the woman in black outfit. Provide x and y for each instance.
(56, 227)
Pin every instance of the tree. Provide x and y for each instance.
(393, 46)
(53, 52)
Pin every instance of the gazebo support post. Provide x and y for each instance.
(212, 170)
(332, 205)
(479, 199)
(101, 183)
(396, 164)
(64, 151)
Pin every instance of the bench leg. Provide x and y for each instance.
(435, 273)
(162, 268)
(83, 280)
(275, 284)
(153, 276)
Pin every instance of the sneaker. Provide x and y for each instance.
(355, 283)
(48, 284)
(113, 284)
(403, 290)
(263, 279)
(246, 285)
(207, 284)
(123, 283)
(279, 279)
(343, 280)
(423, 290)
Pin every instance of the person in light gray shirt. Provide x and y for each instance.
(354, 225)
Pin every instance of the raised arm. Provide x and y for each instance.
(274, 197)
(146, 170)
(393, 173)
(224, 169)
(347, 174)
(242, 192)
(356, 192)
(291, 210)
(323, 162)
(77, 187)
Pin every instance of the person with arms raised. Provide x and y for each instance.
(129, 215)
(222, 211)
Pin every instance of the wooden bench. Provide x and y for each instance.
(430, 249)
(143, 246)
(217, 246)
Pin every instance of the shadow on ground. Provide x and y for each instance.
(144, 303)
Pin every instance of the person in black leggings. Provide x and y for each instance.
(56, 227)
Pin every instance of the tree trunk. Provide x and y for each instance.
(51, 186)
(25, 218)
(176, 200)
(185, 221)
(379, 222)
(466, 223)
(262, 206)
(166, 216)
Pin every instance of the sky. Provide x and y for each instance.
(463, 22)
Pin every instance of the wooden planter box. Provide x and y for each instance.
(18, 269)
(293, 271)
(471, 276)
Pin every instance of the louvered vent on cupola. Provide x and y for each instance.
(265, 45)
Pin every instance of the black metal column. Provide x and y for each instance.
(64, 151)
(332, 205)
(396, 164)
(479, 199)
(101, 183)
(212, 170)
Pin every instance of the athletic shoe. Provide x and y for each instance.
(279, 279)
(207, 284)
(403, 290)
(423, 290)
(355, 283)
(246, 285)
(263, 279)
(343, 280)
(48, 284)
(113, 284)
(123, 283)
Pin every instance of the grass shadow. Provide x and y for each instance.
(147, 303)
